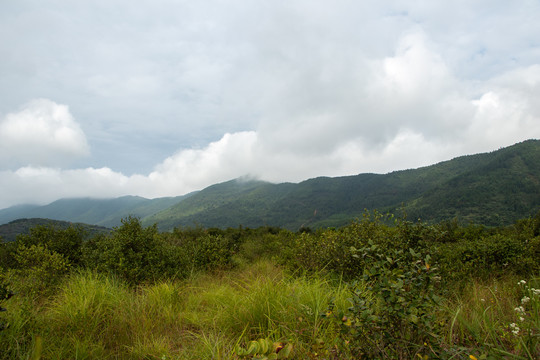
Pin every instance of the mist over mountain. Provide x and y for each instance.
(493, 189)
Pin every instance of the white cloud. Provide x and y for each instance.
(188, 170)
(43, 133)
(299, 90)
(40, 185)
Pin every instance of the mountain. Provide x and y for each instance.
(9, 231)
(493, 189)
(103, 212)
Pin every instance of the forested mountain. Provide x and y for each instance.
(9, 231)
(104, 212)
(494, 188)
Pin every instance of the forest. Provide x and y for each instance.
(381, 287)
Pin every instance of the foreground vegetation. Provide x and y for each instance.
(378, 288)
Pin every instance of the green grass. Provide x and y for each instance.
(480, 317)
(93, 316)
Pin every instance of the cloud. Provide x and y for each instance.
(408, 110)
(230, 157)
(40, 185)
(175, 96)
(43, 133)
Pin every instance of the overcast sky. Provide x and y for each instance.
(159, 98)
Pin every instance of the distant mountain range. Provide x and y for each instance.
(9, 231)
(103, 212)
(493, 189)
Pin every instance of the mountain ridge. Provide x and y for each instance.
(493, 188)
(102, 212)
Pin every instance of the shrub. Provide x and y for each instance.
(39, 268)
(7, 250)
(486, 257)
(207, 252)
(399, 316)
(66, 242)
(330, 249)
(258, 244)
(133, 253)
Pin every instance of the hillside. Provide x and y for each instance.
(9, 231)
(103, 212)
(493, 189)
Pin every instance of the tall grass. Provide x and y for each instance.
(95, 316)
(480, 318)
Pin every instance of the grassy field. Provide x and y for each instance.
(398, 306)
(97, 317)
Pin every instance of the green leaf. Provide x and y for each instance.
(253, 348)
(264, 346)
(285, 352)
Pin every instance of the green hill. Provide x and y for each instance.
(494, 188)
(9, 231)
(502, 188)
(104, 212)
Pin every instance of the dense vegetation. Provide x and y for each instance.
(9, 231)
(102, 212)
(493, 189)
(377, 288)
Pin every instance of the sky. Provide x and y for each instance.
(106, 98)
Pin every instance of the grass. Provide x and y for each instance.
(93, 316)
(480, 318)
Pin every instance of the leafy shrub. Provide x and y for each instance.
(485, 257)
(133, 253)
(207, 252)
(263, 243)
(7, 250)
(330, 249)
(399, 316)
(39, 268)
(66, 242)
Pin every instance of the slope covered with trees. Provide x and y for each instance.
(494, 188)
(10, 231)
(103, 212)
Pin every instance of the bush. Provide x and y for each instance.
(486, 257)
(39, 268)
(66, 242)
(398, 319)
(263, 243)
(133, 253)
(207, 252)
(330, 249)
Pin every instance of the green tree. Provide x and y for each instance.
(133, 253)
(39, 268)
(66, 242)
